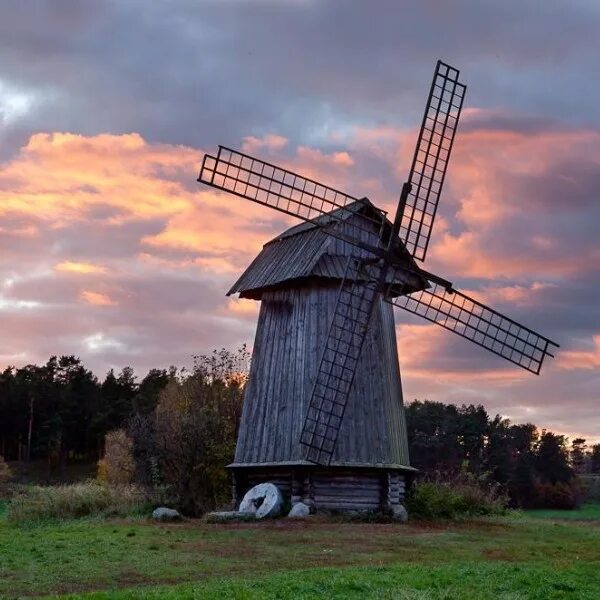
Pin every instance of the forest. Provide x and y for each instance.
(177, 419)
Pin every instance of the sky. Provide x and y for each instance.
(110, 249)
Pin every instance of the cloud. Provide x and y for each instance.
(70, 266)
(270, 142)
(97, 298)
(588, 359)
(243, 307)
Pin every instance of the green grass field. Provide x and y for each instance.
(508, 558)
(588, 512)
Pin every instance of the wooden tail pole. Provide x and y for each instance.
(406, 189)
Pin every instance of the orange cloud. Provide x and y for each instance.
(424, 354)
(243, 307)
(59, 176)
(60, 179)
(82, 268)
(515, 294)
(97, 298)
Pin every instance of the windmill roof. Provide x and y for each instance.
(308, 251)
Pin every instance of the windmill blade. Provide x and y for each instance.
(287, 192)
(431, 157)
(339, 360)
(480, 324)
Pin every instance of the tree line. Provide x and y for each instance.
(181, 422)
(61, 411)
(535, 468)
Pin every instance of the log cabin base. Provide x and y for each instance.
(329, 489)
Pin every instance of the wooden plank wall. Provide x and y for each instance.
(292, 328)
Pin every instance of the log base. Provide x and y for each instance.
(335, 489)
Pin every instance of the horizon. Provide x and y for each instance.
(114, 253)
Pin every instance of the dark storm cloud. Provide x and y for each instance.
(202, 72)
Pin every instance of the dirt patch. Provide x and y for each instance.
(494, 554)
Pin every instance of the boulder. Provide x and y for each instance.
(299, 511)
(166, 514)
(228, 515)
(263, 501)
(399, 513)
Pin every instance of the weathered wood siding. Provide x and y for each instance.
(292, 328)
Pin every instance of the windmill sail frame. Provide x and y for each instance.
(431, 157)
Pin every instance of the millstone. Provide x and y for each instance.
(262, 501)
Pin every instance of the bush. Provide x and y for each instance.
(5, 472)
(565, 496)
(454, 499)
(188, 440)
(36, 502)
(591, 487)
(117, 466)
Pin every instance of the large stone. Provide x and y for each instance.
(263, 501)
(399, 513)
(166, 514)
(299, 511)
(228, 515)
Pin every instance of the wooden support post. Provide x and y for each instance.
(234, 498)
(308, 492)
(296, 495)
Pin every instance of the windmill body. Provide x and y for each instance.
(297, 278)
(323, 416)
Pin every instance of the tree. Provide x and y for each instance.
(552, 459)
(499, 456)
(149, 390)
(432, 437)
(471, 430)
(190, 437)
(595, 459)
(578, 454)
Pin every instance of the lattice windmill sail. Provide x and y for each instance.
(351, 241)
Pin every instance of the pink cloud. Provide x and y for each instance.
(270, 142)
(97, 298)
(587, 359)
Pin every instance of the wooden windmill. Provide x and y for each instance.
(323, 415)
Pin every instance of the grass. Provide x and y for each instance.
(39, 503)
(588, 512)
(500, 558)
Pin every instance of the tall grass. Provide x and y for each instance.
(454, 498)
(36, 503)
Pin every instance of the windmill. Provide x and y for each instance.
(323, 416)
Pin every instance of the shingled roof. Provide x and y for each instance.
(308, 251)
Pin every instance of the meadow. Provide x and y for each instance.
(534, 555)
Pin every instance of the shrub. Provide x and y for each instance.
(591, 487)
(36, 503)
(117, 466)
(558, 495)
(5, 472)
(188, 440)
(454, 499)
